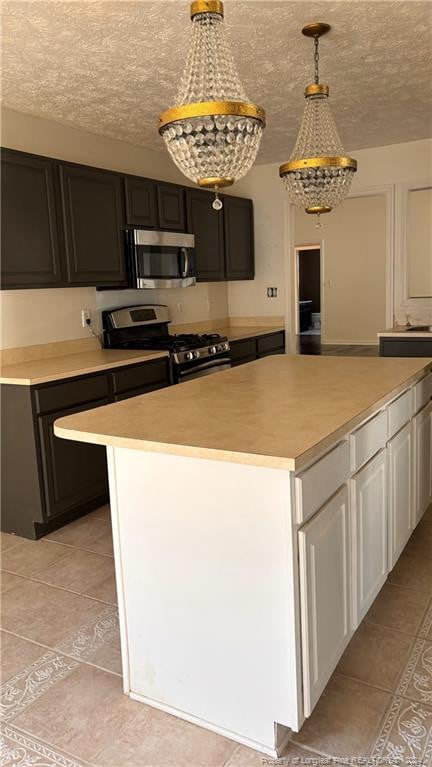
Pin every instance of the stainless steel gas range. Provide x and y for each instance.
(192, 355)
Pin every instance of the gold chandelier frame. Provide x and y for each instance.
(210, 108)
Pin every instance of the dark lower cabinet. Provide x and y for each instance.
(30, 243)
(94, 218)
(48, 481)
(207, 226)
(405, 347)
(75, 473)
(239, 238)
(171, 207)
(243, 351)
(141, 202)
(249, 349)
(274, 343)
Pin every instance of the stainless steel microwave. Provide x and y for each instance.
(160, 259)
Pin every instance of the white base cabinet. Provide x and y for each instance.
(399, 451)
(324, 552)
(422, 464)
(369, 539)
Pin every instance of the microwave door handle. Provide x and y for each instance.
(185, 262)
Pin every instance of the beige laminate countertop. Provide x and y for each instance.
(401, 331)
(57, 368)
(279, 411)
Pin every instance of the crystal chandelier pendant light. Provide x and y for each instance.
(214, 132)
(318, 175)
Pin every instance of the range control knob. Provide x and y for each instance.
(219, 348)
(225, 347)
(196, 355)
(212, 350)
(189, 355)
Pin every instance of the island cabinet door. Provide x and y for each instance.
(370, 538)
(422, 424)
(324, 551)
(400, 492)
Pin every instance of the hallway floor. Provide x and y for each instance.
(311, 344)
(62, 697)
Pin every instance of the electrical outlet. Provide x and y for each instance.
(271, 292)
(180, 307)
(85, 318)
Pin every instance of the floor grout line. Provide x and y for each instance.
(391, 693)
(78, 548)
(59, 588)
(60, 652)
(397, 631)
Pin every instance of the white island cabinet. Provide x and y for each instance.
(256, 514)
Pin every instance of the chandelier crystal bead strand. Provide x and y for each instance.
(318, 175)
(214, 132)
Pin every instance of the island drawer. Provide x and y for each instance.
(150, 374)
(315, 485)
(368, 440)
(422, 392)
(399, 413)
(72, 392)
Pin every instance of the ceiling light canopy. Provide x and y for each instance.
(318, 175)
(214, 132)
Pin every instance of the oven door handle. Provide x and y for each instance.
(205, 365)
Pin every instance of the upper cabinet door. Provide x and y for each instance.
(239, 238)
(141, 202)
(29, 238)
(93, 219)
(207, 226)
(171, 207)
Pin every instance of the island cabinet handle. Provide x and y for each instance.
(315, 485)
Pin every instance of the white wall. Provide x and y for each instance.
(274, 225)
(40, 316)
(263, 185)
(353, 267)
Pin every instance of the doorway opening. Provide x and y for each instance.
(308, 295)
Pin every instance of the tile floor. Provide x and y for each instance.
(61, 694)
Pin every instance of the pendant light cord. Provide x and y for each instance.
(316, 58)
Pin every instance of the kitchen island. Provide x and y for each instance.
(256, 515)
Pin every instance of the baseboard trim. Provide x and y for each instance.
(261, 747)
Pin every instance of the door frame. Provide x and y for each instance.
(297, 248)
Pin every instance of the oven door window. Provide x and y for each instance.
(163, 262)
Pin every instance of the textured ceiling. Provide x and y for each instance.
(111, 67)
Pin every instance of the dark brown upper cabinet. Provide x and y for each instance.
(171, 207)
(239, 238)
(93, 215)
(207, 226)
(141, 202)
(30, 242)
